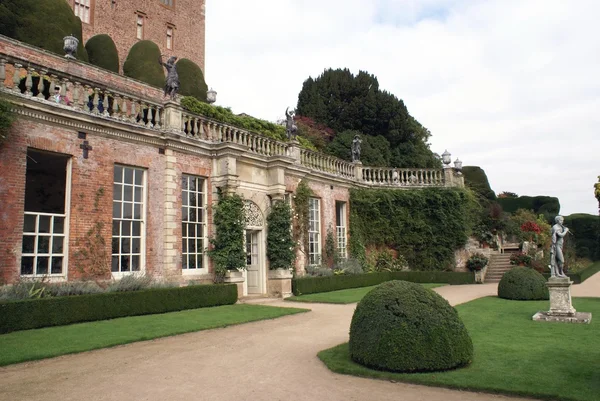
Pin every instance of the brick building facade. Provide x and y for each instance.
(176, 26)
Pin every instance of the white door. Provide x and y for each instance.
(254, 273)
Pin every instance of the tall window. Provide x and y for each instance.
(169, 37)
(128, 219)
(314, 232)
(140, 26)
(45, 227)
(82, 10)
(168, 3)
(193, 222)
(340, 228)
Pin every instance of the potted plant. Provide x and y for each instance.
(280, 249)
(477, 262)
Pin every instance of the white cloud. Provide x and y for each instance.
(509, 85)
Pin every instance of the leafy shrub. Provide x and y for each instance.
(58, 311)
(311, 285)
(191, 80)
(520, 259)
(228, 251)
(426, 226)
(142, 64)
(403, 327)
(136, 282)
(549, 206)
(523, 283)
(477, 262)
(103, 53)
(280, 244)
(349, 266)
(41, 23)
(384, 261)
(319, 271)
(73, 288)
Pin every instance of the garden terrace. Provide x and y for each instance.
(103, 95)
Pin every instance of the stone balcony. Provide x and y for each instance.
(99, 100)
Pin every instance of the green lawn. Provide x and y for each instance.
(513, 354)
(347, 296)
(28, 345)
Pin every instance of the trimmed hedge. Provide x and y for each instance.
(580, 277)
(142, 64)
(549, 206)
(41, 23)
(403, 327)
(523, 284)
(44, 312)
(103, 53)
(191, 80)
(586, 238)
(476, 179)
(311, 285)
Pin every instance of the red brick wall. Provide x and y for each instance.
(119, 20)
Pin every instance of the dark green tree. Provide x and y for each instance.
(142, 63)
(102, 52)
(375, 150)
(343, 101)
(41, 23)
(191, 80)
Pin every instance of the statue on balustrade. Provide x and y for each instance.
(290, 128)
(557, 259)
(172, 84)
(356, 148)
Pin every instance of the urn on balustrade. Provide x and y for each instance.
(70, 46)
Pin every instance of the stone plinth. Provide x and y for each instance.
(279, 283)
(236, 277)
(561, 309)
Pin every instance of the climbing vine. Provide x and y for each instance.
(7, 117)
(92, 257)
(280, 244)
(425, 226)
(301, 218)
(227, 250)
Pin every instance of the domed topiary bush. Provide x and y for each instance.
(523, 283)
(191, 80)
(102, 52)
(142, 64)
(41, 23)
(403, 327)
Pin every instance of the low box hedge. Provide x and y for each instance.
(311, 285)
(44, 312)
(580, 277)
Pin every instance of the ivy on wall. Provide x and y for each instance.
(425, 226)
(301, 200)
(7, 117)
(280, 244)
(228, 251)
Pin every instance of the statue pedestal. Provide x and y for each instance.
(561, 309)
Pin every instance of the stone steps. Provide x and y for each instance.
(498, 265)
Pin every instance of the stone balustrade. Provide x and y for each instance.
(327, 164)
(403, 177)
(197, 126)
(39, 83)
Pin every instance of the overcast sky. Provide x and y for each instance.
(510, 86)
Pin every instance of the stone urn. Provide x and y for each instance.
(211, 96)
(279, 283)
(70, 46)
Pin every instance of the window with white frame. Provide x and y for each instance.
(82, 10)
(314, 231)
(168, 3)
(193, 222)
(129, 190)
(340, 228)
(139, 26)
(45, 229)
(170, 37)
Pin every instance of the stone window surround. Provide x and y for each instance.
(140, 17)
(170, 36)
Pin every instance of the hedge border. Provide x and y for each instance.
(58, 311)
(583, 275)
(312, 285)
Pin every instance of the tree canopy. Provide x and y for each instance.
(344, 101)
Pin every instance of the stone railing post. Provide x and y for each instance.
(358, 171)
(294, 151)
(448, 177)
(172, 117)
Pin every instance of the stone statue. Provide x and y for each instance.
(557, 259)
(172, 84)
(356, 148)
(290, 127)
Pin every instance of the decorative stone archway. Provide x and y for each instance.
(256, 277)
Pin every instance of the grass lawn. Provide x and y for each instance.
(513, 354)
(347, 296)
(28, 345)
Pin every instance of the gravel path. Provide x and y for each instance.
(268, 360)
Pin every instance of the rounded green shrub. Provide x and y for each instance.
(402, 327)
(191, 80)
(142, 63)
(102, 52)
(523, 283)
(41, 23)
